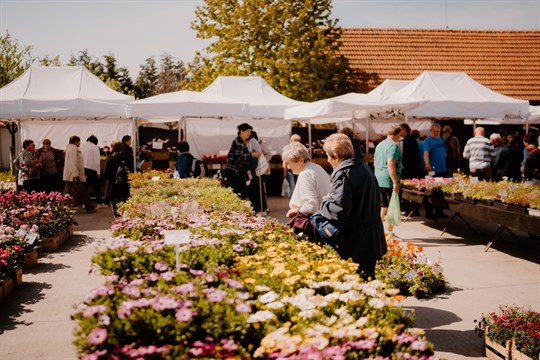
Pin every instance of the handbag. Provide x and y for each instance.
(326, 230)
(300, 224)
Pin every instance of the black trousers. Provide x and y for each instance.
(92, 181)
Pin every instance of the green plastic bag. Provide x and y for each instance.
(393, 216)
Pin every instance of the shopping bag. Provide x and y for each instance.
(262, 166)
(393, 216)
(285, 189)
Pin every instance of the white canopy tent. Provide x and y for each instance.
(352, 108)
(389, 87)
(456, 95)
(71, 96)
(263, 100)
(175, 105)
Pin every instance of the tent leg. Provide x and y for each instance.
(309, 139)
(135, 141)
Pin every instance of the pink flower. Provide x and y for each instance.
(161, 266)
(185, 315)
(97, 336)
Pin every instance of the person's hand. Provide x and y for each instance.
(427, 167)
(292, 213)
(396, 188)
(76, 179)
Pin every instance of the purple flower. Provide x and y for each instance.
(243, 308)
(161, 266)
(92, 310)
(97, 336)
(215, 295)
(419, 345)
(165, 302)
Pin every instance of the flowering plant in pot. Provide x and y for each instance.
(406, 267)
(515, 323)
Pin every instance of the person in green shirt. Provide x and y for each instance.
(387, 162)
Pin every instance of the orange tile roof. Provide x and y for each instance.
(505, 61)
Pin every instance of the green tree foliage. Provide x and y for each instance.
(146, 82)
(14, 59)
(293, 45)
(115, 77)
(171, 72)
(48, 61)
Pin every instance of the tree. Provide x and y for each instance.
(47, 61)
(293, 45)
(14, 59)
(146, 82)
(171, 73)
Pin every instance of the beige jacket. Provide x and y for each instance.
(73, 165)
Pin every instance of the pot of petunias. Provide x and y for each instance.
(515, 329)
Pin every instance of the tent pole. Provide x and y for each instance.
(527, 127)
(309, 139)
(135, 134)
(367, 138)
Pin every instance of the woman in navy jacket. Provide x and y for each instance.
(354, 207)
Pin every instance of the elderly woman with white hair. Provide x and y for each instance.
(353, 207)
(313, 182)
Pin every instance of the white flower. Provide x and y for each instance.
(261, 288)
(275, 305)
(306, 314)
(261, 316)
(269, 297)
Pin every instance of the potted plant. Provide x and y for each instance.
(516, 327)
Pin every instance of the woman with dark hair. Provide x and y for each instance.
(116, 179)
(52, 166)
(74, 175)
(128, 152)
(28, 167)
(354, 207)
(239, 172)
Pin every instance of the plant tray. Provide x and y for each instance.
(500, 205)
(517, 209)
(461, 198)
(53, 243)
(496, 351)
(484, 202)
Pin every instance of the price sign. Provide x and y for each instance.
(31, 237)
(158, 145)
(474, 180)
(176, 238)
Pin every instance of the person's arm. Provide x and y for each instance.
(427, 165)
(393, 174)
(467, 151)
(338, 205)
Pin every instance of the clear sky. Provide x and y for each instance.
(134, 30)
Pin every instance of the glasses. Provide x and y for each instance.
(46, 143)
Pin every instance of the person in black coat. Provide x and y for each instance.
(410, 168)
(116, 181)
(128, 152)
(354, 207)
(510, 159)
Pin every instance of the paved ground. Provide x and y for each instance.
(35, 322)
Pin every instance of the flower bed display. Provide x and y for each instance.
(243, 287)
(515, 327)
(407, 268)
(48, 211)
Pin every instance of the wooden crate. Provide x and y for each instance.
(518, 355)
(496, 351)
(30, 259)
(7, 287)
(16, 277)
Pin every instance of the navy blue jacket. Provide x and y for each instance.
(354, 205)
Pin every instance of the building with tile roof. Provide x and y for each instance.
(505, 61)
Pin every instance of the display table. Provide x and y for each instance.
(506, 220)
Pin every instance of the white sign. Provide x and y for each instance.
(176, 237)
(155, 178)
(474, 180)
(158, 145)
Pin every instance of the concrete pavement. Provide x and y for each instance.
(35, 322)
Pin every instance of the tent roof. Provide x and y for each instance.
(59, 92)
(455, 94)
(389, 87)
(263, 100)
(171, 106)
(345, 107)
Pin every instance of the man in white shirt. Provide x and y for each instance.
(92, 169)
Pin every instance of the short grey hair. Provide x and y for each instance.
(295, 152)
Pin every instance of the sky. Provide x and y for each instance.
(134, 30)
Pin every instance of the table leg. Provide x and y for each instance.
(497, 234)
